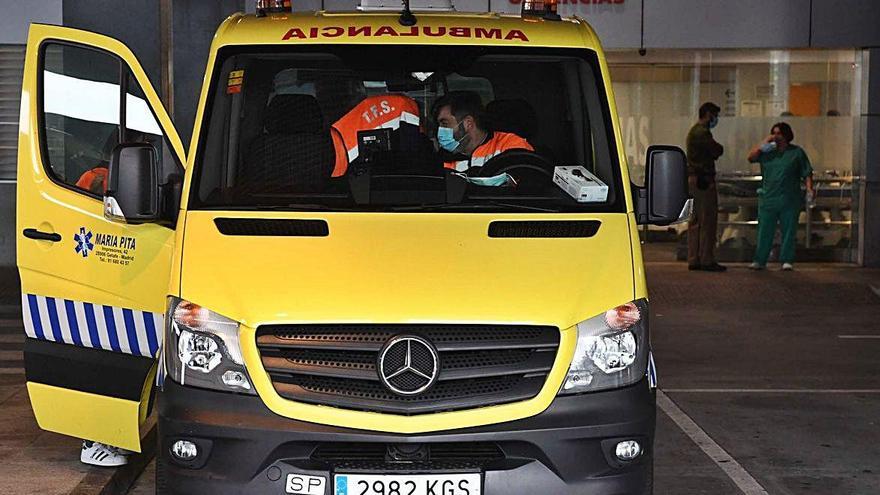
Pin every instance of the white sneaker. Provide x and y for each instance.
(787, 267)
(98, 454)
(756, 266)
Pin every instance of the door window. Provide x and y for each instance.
(81, 110)
(85, 116)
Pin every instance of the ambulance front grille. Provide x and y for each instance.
(480, 365)
(416, 458)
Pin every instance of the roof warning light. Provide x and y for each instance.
(272, 7)
(541, 8)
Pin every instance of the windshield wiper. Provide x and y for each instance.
(485, 205)
(475, 206)
(301, 207)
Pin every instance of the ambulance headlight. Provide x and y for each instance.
(198, 352)
(612, 350)
(202, 349)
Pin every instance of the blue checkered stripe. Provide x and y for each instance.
(84, 324)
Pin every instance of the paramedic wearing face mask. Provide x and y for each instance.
(702, 151)
(783, 167)
(460, 130)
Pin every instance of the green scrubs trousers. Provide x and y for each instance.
(787, 217)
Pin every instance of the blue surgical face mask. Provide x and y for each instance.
(768, 147)
(446, 138)
(713, 122)
(501, 180)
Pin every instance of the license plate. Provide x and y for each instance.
(303, 484)
(417, 484)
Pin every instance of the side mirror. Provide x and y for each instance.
(664, 199)
(133, 184)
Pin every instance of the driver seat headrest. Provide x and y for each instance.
(294, 114)
(513, 115)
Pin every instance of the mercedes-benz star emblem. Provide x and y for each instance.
(408, 365)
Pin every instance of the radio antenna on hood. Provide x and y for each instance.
(406, 16)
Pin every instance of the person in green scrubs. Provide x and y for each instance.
(783, 167)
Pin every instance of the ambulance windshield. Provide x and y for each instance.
(407, 128)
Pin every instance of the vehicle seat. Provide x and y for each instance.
(294, 153)
(515, 115)
(519, 117)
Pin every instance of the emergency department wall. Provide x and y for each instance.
(751, 28)
(818, 92)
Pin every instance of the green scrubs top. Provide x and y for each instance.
(782, 173)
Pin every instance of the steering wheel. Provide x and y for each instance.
(527, 167)
(516, 163)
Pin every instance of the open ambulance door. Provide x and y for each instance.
(93, 290)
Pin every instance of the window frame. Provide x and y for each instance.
(122, 79)
(41, 114)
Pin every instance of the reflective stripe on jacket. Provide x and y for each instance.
(375, 112)
(498, 143)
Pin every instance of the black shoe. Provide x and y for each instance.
(694, 267)
(714, 267)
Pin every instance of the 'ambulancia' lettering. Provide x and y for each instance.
(413, 31)
(440, 31)
(435, 31)
(294, 33)
(357, 31)
(493, 33)
(385, 31)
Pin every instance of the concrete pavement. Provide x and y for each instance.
(779, 369)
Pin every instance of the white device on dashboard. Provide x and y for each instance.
(580, 184)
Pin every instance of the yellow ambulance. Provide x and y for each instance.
(400, 257)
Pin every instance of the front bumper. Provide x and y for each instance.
(567, 449)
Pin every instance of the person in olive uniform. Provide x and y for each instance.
(783, 167)
(702, 151)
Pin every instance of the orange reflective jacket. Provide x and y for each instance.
(498, 143)
(375, 112)
(94, 180)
